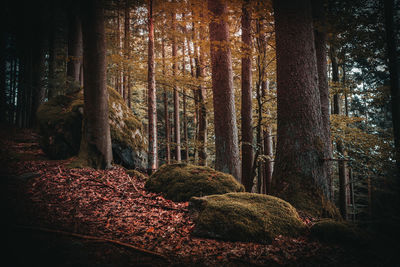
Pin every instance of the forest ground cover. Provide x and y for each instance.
(87, 217)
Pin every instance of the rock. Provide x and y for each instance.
(180, 182)
(244, 217)
(332, 231)
(60, 125)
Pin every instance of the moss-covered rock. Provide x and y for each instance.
(244, 217)
(60, 125)
(332, 231)
(180, 182)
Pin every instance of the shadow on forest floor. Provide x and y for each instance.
(57, 216)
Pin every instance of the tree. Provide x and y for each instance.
(246, 110)
(96, 139)
(300, 175)
(394, 75)
(226, 139)
(152, 104)
(74, 45)
(318, 13)
(177, 126)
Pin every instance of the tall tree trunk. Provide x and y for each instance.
(201, 98)
(96, 139)
(185, 124)
(394, 75)
(268, 151)
(300, 175)
(152, 103)
(166, 114)
(177, 126)
(226, 139)
(126, 50)
(342, 170)
(247, 105)
(38, 85)
(320, 50)
(75, 48)
(3, 103)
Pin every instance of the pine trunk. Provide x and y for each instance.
(247, 110)
(226, 138)
(320, 50)
(300, 175)
(96, 140)
(394, 75)
(177, 126)
(74, 47)
(152, 104)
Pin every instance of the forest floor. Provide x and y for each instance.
(56, 216)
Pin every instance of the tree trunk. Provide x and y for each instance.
(96, 139)
(38, 85)
(166, 114)
(201, 98)
(247, 105)
(226, 139)
(320, 50)
(126, 50)
(177, 126)
(300, 175)
(74, 46)
(394, 75)
(3, 102)
(342, 170)
(152, 103)
(268, 152)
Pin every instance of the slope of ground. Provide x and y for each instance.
(86, 217)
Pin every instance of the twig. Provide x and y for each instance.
(100, 239)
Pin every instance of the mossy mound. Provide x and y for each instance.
(180, 182)
(332, 231)
(60, 125)
(244, 217)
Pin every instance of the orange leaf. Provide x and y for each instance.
(150, 230)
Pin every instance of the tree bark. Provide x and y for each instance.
(247, 105)
(226, 138)
(38, 61)
(126, 50)
(201, 98)
(300, 175)
(394, 76)
(96, 138)
(75, 47)
(342, 169)
(177, 126)
(166, 114)
(318, 13)
(3, 102)
(152, 103)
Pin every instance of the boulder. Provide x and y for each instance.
(331, 231)
(244, 217)
(180, 182)
(60, 125)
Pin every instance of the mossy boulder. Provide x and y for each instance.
(332, 231)
(180, 182)
(60, 125)
(244, 217)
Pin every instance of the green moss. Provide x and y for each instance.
(180, 182)
(244, 217)
(125, 128)
(60, 124)
(332, 231)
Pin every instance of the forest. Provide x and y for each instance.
(200, 133)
